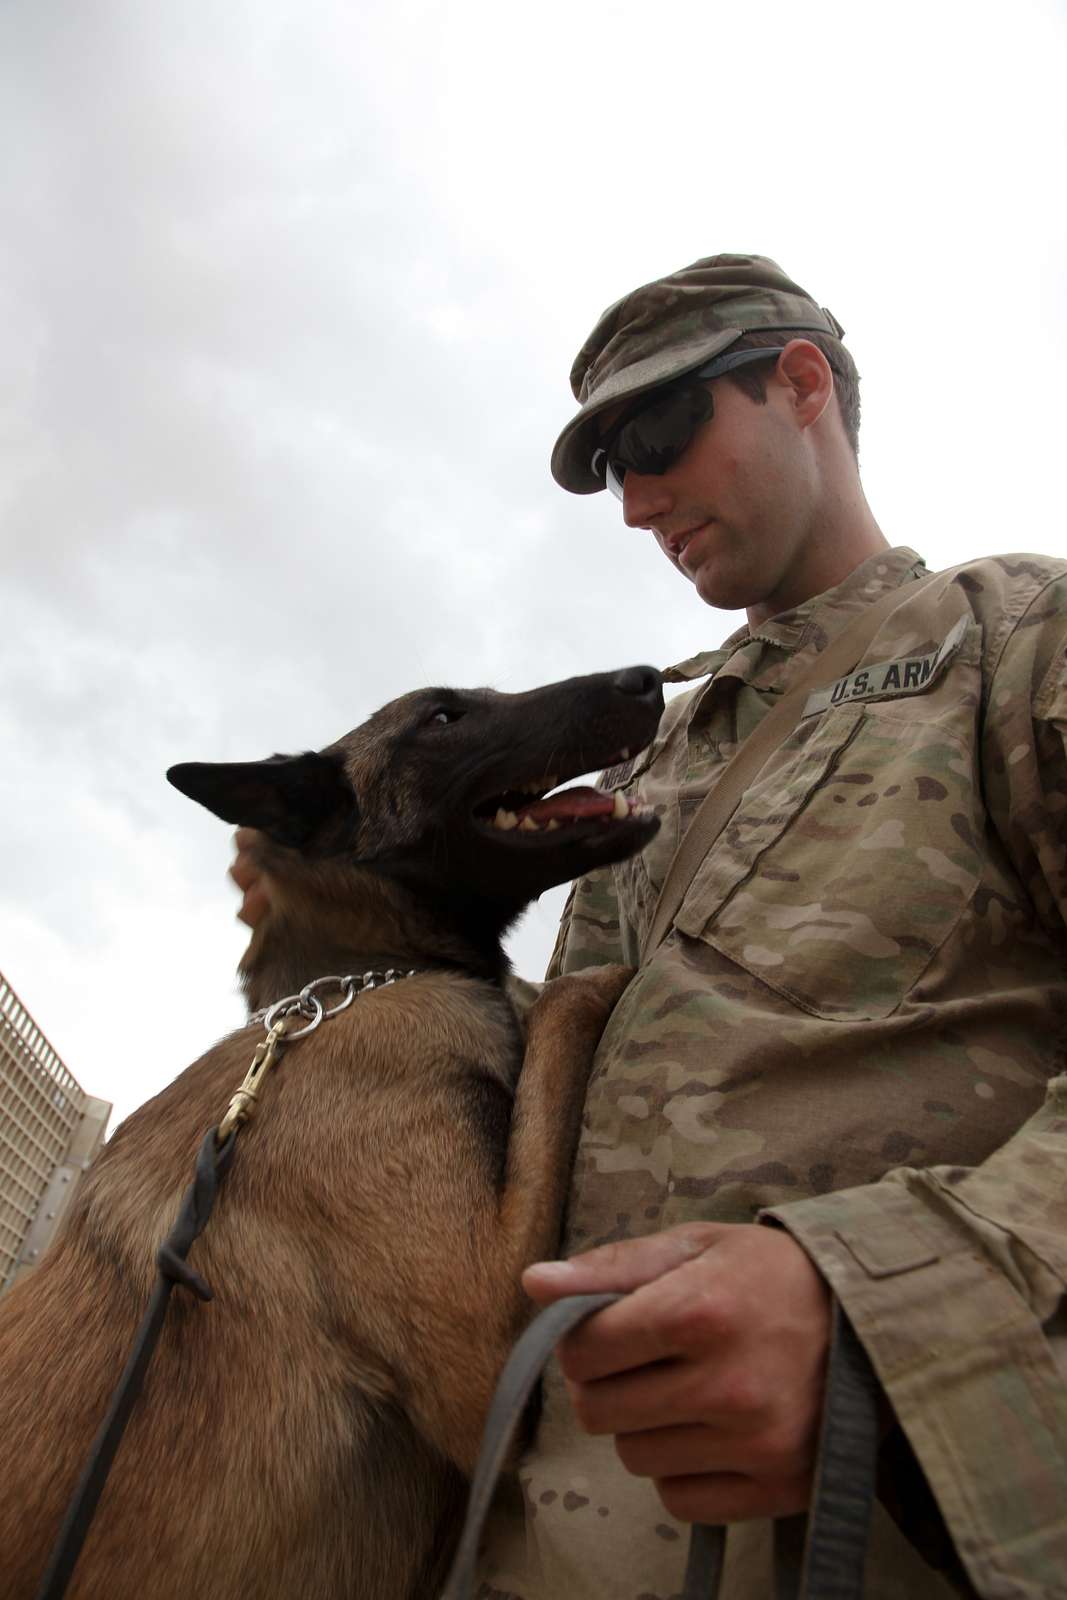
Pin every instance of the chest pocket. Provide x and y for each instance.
(855, 854)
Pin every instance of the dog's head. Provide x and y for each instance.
(448, 790)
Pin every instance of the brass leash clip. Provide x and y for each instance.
(243, 1104)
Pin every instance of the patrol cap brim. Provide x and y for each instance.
(573, 451)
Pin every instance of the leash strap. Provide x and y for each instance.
(719, 805)
(704, 1568)
(514, 1387)
(819, 1556)
(513, 1390)
(845, 1473)
(816, 1557)
(212, 1164)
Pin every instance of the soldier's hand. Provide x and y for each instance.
(247, 876)
(710, 1373)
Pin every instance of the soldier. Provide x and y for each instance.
(838, 1073)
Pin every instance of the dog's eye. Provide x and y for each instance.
(445, 714)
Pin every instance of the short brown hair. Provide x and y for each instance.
(752, 380)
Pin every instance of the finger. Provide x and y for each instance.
(672, 1393)
(665, 1395)
(693, 1448)
(245, 838)
(685, 1313)
(623, 1265)
(244, 871)
(719, 1498)
(680, 1451)
(253, 906)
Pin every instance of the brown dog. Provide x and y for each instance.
(307, 1434)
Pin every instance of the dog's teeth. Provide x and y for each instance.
(505, 819)
(622, 808)
(528, 825)
(550, 824)
(625, 752)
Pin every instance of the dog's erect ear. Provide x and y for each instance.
(289, 798)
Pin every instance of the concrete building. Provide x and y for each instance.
(50, 1130)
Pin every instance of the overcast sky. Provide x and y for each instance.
(288, 299)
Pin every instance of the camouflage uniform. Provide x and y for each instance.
(857, 1029)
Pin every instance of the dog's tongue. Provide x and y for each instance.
(570, 804)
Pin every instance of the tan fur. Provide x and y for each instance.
(306, 1434)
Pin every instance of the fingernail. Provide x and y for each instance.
(553, 1270)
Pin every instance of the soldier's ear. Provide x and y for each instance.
(292, 799)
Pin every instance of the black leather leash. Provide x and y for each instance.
(817, 1557)
(212, 1164)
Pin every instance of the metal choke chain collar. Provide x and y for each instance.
(307, 1003)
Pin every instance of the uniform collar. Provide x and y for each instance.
(818, 620)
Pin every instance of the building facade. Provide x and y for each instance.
(50, 1130)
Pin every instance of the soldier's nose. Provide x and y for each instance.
(645, 496)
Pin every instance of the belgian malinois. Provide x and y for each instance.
(307, 1436)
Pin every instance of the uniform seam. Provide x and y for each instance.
(954, 1197)
(987, 730)
(997, 655)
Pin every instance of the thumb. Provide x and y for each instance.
(621, 1266)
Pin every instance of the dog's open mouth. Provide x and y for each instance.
(513, 809)
(533, 808)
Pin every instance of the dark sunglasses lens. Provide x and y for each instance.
(654, 439)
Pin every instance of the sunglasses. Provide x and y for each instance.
(651, 434)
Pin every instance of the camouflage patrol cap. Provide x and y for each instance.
(668, 328)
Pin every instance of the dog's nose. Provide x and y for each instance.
(642, 683)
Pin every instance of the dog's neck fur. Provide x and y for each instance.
(350, 921)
